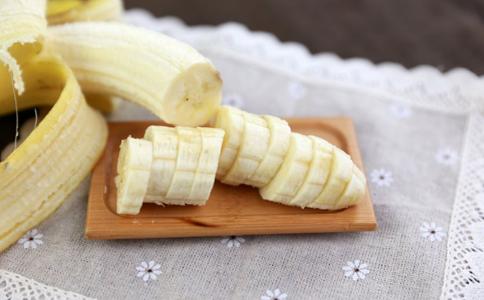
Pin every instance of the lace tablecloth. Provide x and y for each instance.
(421, 134)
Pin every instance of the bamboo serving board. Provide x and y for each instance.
(230, 210)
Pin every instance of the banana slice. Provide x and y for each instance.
(230, 120)
(280, 133)
(290, 177)
(165, 148)
(354, 191)
(166, 76)
(134, 167)
(65, 11)
(212, 139)
(189, 150)
(252, 150)
(318, 173)
(339, 177)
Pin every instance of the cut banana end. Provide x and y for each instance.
(339, 177)
(33, 181)
(280, 133)
(231, 121)
(166, 76)
(252, 150)
(292, 174)
(318, 173)
(65, 11)
(134, 167)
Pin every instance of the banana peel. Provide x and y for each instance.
(68, 140)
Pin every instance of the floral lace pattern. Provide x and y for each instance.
(465, 254)
(14, 286)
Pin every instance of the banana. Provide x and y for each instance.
(134, 168)
(280, 133)
(207, 165)
(339, 177)
(354, 190)
(180, 169)
(165, 148)
(230, 120)
(189, 150)
(166, 76)
(293, 171)
(64, 11)
(33, 181)
(318, 173)
(252, 150)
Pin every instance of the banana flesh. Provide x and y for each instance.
(65, 11)
(179, 170)
(134, 164)
(166, 76)
(288, 168)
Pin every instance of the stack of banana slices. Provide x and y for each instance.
(178, 165)
(75, 69)
(287, 167)
(168, 166)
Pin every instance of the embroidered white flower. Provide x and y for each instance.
(232, 241)
(296, 90)
(234, 100)
(32, 239)
(446, 156)
(401, 111)
(274, 295)
(431, 231)
(148, 271)
(355, 270)
(381, 177)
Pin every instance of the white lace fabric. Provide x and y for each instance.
(456, 92)
(464, 274)
(17, 287)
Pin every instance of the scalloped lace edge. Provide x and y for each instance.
(17, 287)
(455, 91)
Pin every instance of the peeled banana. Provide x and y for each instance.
(288, 168)
(166, 76)
(169, 166)
(64, 11)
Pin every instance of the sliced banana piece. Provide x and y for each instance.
(212, 139)
(339, 177)
(354, 191)
(280, 133)
(318, 173)
(165, 148)
(290, 177)
(230, 120)
(134, 167)
(189, 150)
(252, 150)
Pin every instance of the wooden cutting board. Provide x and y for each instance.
(230, 210)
